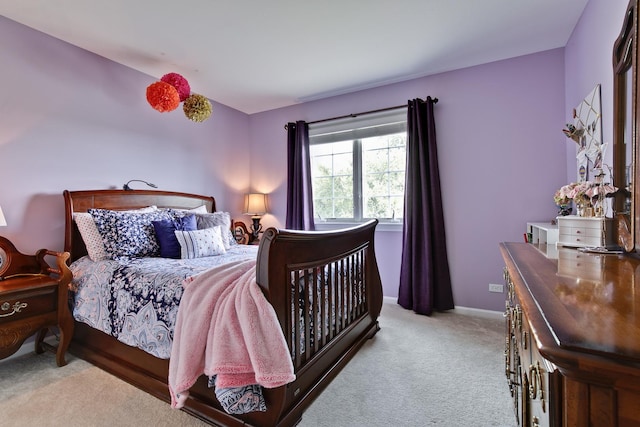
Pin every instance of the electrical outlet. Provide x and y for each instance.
(494, 287)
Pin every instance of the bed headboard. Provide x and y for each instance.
(81, 201)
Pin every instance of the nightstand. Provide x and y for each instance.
(241, 234)
(33, 298)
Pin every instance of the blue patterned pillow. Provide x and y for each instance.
(239, 400)
(126, 234)
(169, 246)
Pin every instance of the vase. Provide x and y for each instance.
(564, 210)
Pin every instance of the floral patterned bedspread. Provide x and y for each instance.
(136, 301)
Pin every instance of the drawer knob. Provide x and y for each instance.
(17, 307)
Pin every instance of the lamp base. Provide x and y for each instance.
(256, 228)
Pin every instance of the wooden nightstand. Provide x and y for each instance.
(240, 233)
(33, 298)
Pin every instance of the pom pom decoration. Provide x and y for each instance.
(163, 97)
(180, 83)
(197, 108)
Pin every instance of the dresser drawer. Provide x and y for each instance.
(583, 232)
(579, 240)
(580, 222)
(27, 303)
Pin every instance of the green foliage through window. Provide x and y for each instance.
(359, 179)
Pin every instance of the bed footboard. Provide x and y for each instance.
(326, 290)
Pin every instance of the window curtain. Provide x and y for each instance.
(425, 281)
(299, 195)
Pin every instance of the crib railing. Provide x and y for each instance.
(330, 295)
(325, 289)
(320, 285)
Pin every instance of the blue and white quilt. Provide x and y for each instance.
(136, 301)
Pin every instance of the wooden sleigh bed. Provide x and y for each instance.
(340, 265)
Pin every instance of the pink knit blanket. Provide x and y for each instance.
(226, 327)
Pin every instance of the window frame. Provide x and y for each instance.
(355, 129)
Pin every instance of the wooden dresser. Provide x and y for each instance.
(572, 348)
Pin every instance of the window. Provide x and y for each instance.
(358, 167)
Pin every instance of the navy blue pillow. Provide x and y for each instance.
(169, 246)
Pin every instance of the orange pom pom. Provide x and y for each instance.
(163, 96)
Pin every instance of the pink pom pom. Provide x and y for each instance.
(180, 83)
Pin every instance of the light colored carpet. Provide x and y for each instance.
(444, 370)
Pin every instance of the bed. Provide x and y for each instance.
(295, 271)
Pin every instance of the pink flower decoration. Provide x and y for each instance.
(180, 83)
(163, 97)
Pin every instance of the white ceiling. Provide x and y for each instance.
(257, 55)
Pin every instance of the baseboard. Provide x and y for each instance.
(479, 312)
(389, 300)
(458, 309)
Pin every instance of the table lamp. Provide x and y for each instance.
(255, 204)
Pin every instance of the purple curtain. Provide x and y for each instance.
(425, 282)
(299, 196)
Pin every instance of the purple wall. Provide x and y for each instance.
(501, 158)
(589, 61)
(74, 120)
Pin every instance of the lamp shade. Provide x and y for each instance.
(255, 204)
(3, 221)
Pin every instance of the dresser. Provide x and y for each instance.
(572, 336)
(576, 231)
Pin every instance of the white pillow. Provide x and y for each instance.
(222, 219)
(199, 209)
(202, 209)
(200, 243)
(92, 237)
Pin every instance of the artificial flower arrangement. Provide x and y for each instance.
(583, 194)
(172, 89)
(568, 193)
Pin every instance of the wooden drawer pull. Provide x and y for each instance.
(17, 307)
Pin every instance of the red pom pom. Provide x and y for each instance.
(163, 96)
(180, 83)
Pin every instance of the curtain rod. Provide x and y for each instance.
(435, 101)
